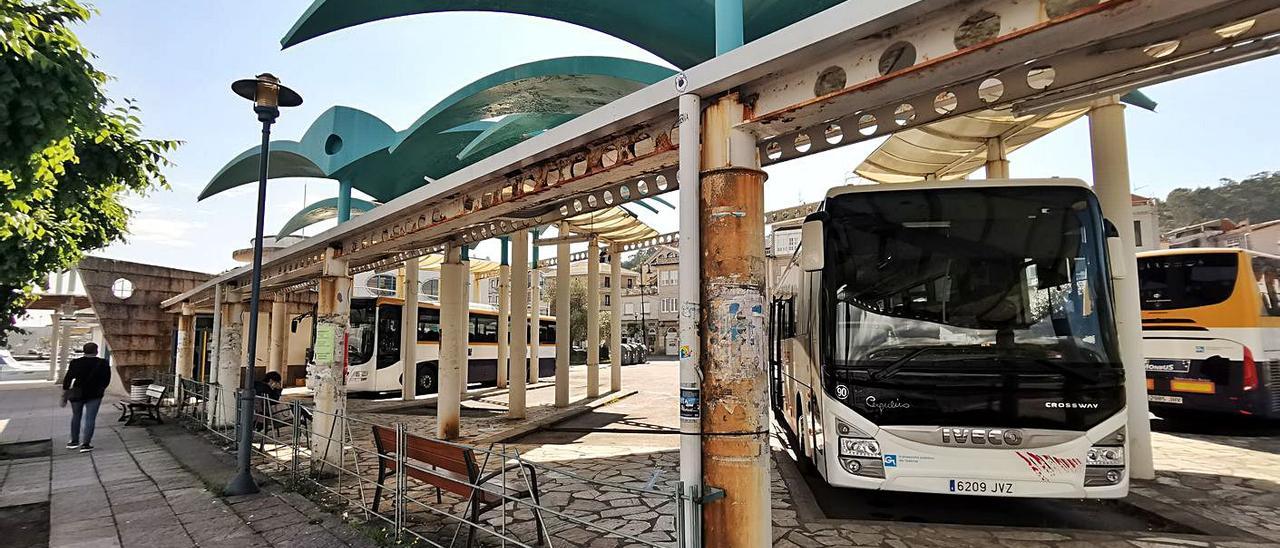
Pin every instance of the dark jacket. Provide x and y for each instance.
(91, 374)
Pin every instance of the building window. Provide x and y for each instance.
(669, 277)
(606, 281)
(631, 282)
(382, 284)
(606, 300)
(629, 309)
(1137, 234)
(647, 308)
(669, 305)
(431, 287)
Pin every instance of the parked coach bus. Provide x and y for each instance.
(1211, 330)
(374, 346)
(949, 338)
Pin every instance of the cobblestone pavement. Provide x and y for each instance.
(130, 492)
(1225, 485)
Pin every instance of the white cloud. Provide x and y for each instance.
(160, 231)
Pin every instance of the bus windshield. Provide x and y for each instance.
(970, 306)
(1169, 282)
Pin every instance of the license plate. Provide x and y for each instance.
(1169, 366)
(981, 487)
(1155, 398)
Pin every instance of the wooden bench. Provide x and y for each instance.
(148, 405)
(454, 469)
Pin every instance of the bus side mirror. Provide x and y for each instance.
(812, 252)
(1115, 252)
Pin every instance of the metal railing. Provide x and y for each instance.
(334, 459)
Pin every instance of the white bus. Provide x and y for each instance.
(374, 346)
(954, 338)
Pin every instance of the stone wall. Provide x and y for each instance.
(138, 332)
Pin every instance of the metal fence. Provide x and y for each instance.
(441, 493)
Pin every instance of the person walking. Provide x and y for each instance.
(86, 381)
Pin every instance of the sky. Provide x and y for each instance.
(176, 59)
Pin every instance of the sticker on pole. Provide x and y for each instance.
(690, 403)
(324, 344)
(685, 352)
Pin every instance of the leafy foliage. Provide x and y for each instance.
(1256, 198)
(67, 155)
(578, 310)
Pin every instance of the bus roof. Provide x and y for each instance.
(944, 185)
(474, 307)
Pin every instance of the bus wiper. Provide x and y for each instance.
(897, 365)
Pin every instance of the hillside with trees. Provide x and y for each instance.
(1256, 198)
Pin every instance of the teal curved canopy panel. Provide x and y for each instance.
(479, 120)
(321, 211)
(564, 85)
(338, 141)
(680, 31)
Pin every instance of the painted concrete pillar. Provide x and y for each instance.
(1111, 183)
(325, 375)
(519, 323)
(464, 379)
(186, 354)
(55, 341)
(409, 331)
(230, 359)
(215, 341)
(997, 159)
(535, 323)
(563, 264)
(278, 347)
(593, 317)
(615, 318)
(735, 385)
(504, 320)
(64, 339)
(454, 320)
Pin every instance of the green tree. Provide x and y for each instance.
(578, 310)
(68, 156)
(1256, 198)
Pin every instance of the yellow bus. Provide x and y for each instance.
(1211, 330)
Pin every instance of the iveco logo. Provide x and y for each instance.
(981, 436)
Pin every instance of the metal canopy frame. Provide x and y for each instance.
(626, 150)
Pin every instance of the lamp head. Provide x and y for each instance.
(266, 91)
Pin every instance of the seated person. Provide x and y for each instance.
(270, 386)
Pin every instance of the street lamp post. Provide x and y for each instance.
(268, 95)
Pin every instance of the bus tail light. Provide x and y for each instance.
(1250, 371)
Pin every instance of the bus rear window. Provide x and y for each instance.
(1171, 282)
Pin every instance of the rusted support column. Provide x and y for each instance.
(562, 318)
(519, 324)
(230, 358)
(735, 389)
(593, 317)
(186, 342)
(324, 376)
(997, 159)
(504, 315)
(454, 320)
(1111, 183)
(278, 348)
(615, 318)
(409, 331)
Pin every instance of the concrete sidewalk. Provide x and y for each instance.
(130, 491)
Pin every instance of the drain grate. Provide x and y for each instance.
(26, 450)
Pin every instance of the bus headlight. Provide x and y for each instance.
(853, 447)
(1104, 456)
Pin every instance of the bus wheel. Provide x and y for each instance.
(428, 378)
